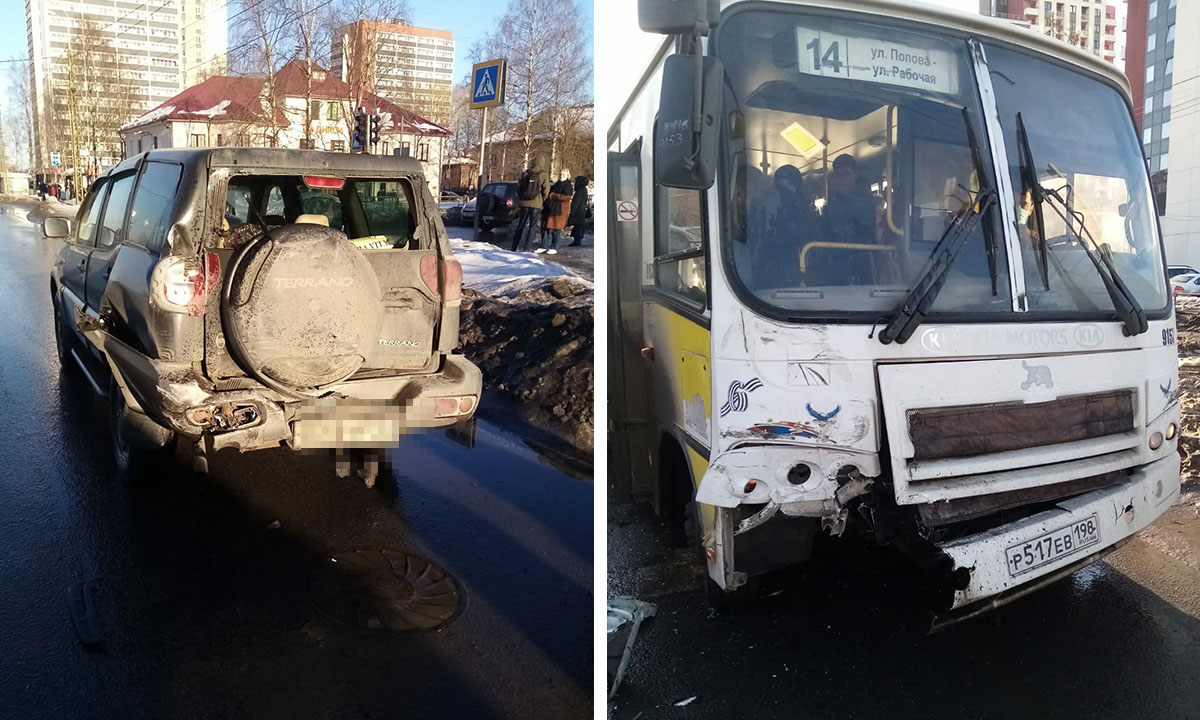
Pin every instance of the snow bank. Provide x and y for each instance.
(502, 273)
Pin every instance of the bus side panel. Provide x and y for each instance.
(680, 373)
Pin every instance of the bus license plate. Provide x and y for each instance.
(1048, 547)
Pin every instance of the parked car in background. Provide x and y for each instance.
(450, 207)
(1174, 271)
(1188, 284)
(497, 205)
(466, 214)
(315, 312)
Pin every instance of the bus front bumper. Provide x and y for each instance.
(1005, 558)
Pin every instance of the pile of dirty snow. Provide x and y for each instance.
(533, 339)
(493, 271)
(1187, 318)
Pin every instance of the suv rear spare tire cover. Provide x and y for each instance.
(301, 307)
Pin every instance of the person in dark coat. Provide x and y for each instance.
(529, 212)
(577, 219)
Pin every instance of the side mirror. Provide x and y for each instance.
(686, 157)
(56, 227)
(678, 17)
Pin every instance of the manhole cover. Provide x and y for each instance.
(385, 590)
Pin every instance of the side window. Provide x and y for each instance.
(85, 234)
(679, 244)
(114, 212)
(150, 217)
(387, 207)
(275, 204)
(237, 204)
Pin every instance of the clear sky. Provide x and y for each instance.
(469, 20)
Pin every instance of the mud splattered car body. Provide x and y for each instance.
(247, 298)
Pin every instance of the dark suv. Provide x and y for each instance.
(251, 297)
(496, 205)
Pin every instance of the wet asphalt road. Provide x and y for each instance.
(846, 639)
(207, 609)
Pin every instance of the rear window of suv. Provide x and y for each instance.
(364, 208)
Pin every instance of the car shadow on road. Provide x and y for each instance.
(205, 594)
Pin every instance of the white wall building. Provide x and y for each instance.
(1181, 224)
(149, 45)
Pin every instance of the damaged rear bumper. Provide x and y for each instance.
(1119, 512)
(355, 413)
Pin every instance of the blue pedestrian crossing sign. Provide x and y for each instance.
(487, 84)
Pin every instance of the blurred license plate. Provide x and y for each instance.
(348, 426)
(1048, 547)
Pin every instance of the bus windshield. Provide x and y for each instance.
(849, 158)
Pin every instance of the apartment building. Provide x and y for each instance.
(411, 66)
(1096, 26)
(121, 58)
(203, 39)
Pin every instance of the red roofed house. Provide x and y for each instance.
(230, 111)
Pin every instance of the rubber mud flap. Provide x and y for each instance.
(301, 307)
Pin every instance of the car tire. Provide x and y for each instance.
(135, 464)
(62, 339)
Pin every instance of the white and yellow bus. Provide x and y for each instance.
(894, 266)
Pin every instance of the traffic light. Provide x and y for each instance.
(359, 140)
(374, 129)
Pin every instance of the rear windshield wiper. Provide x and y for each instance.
(933, 275)
(1124, 302)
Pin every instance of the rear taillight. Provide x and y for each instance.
(508, 203)
(445, 407)
(451, 276)
(181, 285)
(452, 271)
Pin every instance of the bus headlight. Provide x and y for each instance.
(1171, 430)
(1156, 441)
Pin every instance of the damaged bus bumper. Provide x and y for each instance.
(1010, 556)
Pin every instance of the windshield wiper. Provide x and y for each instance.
(933, 275)
(1124, 302)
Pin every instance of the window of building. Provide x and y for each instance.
(337, 145)
(196, 140)
(139, 145)
(314, 109)
(154, 142)
(307, 144)
(1166, 130)
(1149, 73)
(1146, 136)
(333, 112)
(1166, 98)
(1149, 106)
(1171, 33)
(1151, 42)
(1170, 66)
(220, 140)
(1153, 12)
(423, 152)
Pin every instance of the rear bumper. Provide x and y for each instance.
(1120, 512)
(171, 394)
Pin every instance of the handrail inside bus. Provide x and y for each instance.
(823, 245)
(891, 184)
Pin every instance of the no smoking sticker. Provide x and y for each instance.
(627, 211)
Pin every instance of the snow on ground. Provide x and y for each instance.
(496, 272)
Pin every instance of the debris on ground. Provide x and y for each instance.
(685, 702)
(535, 344)
(625, 616)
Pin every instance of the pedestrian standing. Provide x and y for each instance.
(532, 190)
(578, 217)
(554, 216)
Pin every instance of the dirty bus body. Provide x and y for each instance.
(833, 305)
